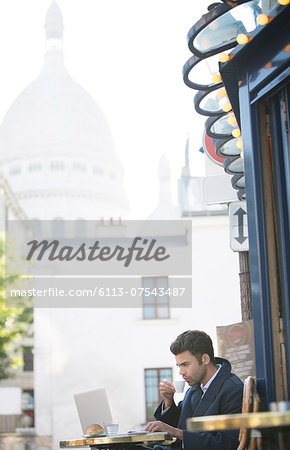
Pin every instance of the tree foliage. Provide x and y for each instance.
(15, 323)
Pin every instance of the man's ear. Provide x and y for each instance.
(205, 359)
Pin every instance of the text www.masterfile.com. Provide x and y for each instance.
(99, 292)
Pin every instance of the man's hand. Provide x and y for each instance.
(154, 427)
(167, 391)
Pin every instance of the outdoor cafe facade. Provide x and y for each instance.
(247, 103)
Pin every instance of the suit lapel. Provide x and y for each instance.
(189, 403)
(210, 394)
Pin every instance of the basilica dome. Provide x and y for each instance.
(56, 145)
(55, 112)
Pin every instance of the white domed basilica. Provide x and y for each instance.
(57, 150)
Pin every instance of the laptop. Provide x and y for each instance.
(93, 407)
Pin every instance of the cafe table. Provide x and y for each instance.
(120, 441)
(258, 420)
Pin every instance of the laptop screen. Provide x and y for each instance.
(93, 407)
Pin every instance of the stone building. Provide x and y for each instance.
(58, 156)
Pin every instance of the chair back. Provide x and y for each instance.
(251, 402)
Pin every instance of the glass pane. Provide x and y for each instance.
(162, 282)
(162, 312)
(241, 182)
(27, 359)
(165, 374)
(163, 300)
(211, 103)
(150, 410)
(230, 148)
(148, 300)
(221, 126)
(237, 166)
(27, 401)
(149, 312)
(151, 388)
(225, 29)
(150, 373)
(152, 394)
(203, 71)
(148, 283)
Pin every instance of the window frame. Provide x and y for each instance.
(159, 378)
(155, 302)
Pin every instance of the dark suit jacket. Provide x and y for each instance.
(224, 396)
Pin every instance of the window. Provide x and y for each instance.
(80, 228)
(152, 379)
(98, 171)
(58, 227)
(155, 298)
(28, 407)
(57, 165)
(15, 170)
(34, 166)
(27, 359)
(79, 166)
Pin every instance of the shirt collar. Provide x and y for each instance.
(204, 387)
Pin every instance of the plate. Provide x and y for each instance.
(130, 433)
(88, 436)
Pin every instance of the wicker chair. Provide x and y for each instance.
(251, 401)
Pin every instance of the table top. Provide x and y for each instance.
(269, 419)
(119, 440)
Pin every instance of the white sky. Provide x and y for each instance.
(128, 54)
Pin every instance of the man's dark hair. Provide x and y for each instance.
(197, 342)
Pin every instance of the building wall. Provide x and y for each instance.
(79, 349)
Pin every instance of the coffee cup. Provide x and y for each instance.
(179, 385)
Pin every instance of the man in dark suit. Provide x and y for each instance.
(213, 390)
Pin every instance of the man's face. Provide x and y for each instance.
(190, 368)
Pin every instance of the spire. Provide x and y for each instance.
(185, 169)
(165, 208)
(54, 28)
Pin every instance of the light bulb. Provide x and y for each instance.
(221, 93)
(268, 65)
(232, 121)
(223, 57)
(242, 39)
(216, 78)
(262, 19)
(236, 133)
(227, 107)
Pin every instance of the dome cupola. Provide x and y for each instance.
(55, 142)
